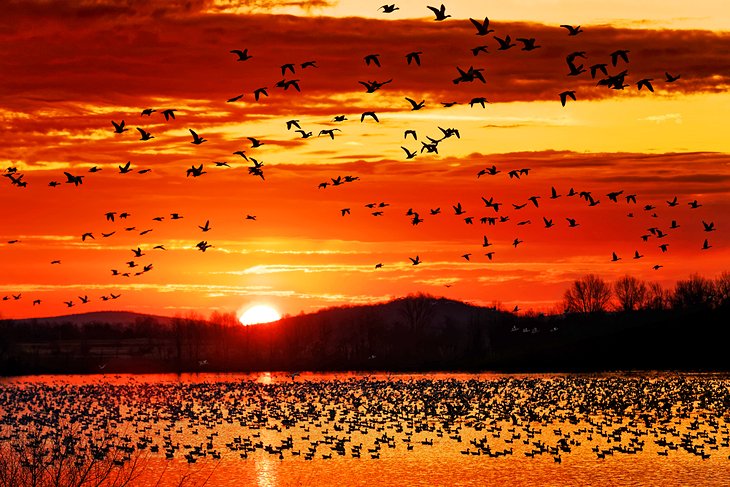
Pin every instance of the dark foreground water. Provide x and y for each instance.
(351, 429)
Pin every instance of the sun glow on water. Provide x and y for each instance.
(260, 313)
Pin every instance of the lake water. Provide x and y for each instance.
(377, 429)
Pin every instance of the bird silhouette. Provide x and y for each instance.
(169, 114)
(528, 43)
(504, 43)
(260, 91)
(415, 261)
(615, 257)
(197, 140)
(572, 30)
(205, 227)
(372, 58)
(440, 12)
(125, 168)
(414, 56)
(564, 96)
(706, 245)
(646, 82)
(619, 54)
(708, 227)
(243, 55)
(369, 114)
(119, 127)
(671, 78)
(482, 27)
(415, 105)
(388, 9)
(144, 135)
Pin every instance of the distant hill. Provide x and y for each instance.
(418, 332)
(106, 317)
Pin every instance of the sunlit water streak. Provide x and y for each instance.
(485, 429)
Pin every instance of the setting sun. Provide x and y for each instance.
(259, 314)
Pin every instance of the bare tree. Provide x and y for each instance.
(657, 298)
(630, 292)
(589, 294)
(416, 309)
(722, 289)
(695, 292)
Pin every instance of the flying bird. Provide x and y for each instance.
(482, 27)
(564, 96)
(119, 127)
(243, 55)
(572, 31)
(197, 140)
(440, 12)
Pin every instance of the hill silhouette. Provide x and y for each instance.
(418, 332)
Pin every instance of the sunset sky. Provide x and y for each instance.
(70, 68)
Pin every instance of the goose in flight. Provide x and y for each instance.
(614, 257)
(572, 30)
(125, 168)
(505, 43)
(564, 96)
(619, 53)
(478, 100)
(528, 43)
(673, 202)
(548, 223)
(410, 132)
(414, 56)
(304, 134)
(203, 245)
(369, 114)
(458, 210)
(205, 227)
(706, 245)
(646, 82)
(235, 98)
(576, 70)
(137, 252)
(148, 112)
(613, 196)
(486, 242)
(84, 299)
(221, 164)
(260, 91)
(516, 242)
(415, 261)
(69, 303)
(292, 123)
(330, 132)
(87, 235)
(440, 12)
(379, 265)
(169, 113)
(572, 223)
(664, 247)
(554, 193)
(415, 105)
(372, 58)
(637, 255)
(308, 64)
(388, 9)
(285, 67)
(709, 227)
(195, 171)
(119, 127)
(345, 211)
(241, 153)
(409, 154)
(255, 142)
(466, 257)
(175, 216)
(694, 204)
(482, 27)
(479, 49)
(598, 67)
(107, 235)
(372, 87)
(36, 302)
(671, 78)
(243, 55)
(197, 140)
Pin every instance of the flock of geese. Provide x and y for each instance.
(611, 73)
(558, 418)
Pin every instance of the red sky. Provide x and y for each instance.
(70, 68)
